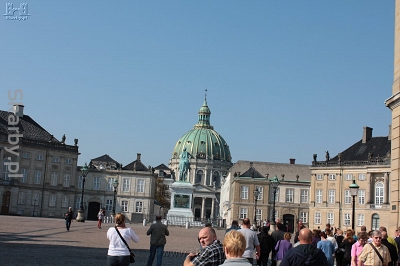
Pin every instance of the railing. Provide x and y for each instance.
(343, 163)
(380, 207)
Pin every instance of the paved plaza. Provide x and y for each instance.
(45, 241)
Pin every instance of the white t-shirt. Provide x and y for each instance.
(117, 246)
(251, 242)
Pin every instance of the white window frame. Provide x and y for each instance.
(124, 206)
(21, 197)
(319, 177)
(38, 177)
(109, 204)
(78, 203)
(140, 185)
(56, 159)
(304, 217)
(68, 161)
(317, 218)
(360, 219)
(39, 157)
(304, 196)
(67, 179)
(126, 184)
(110, 183)
(35, 195)
(362, 177)
(348, 177)
(96, 183)
(361, 197)
(244, 194)
(139, 207)
(26, 155)
(347, 197)
(5, 172)
(65, 201)
(260, 194)
(379, 193)
(347, 219)
(243, 213)
(331, 196)
(289, 195)
(330, 218)
(332, 177)
(54, 179)
(24, 177)
(52, 200)
(318, 196)
(258, 214)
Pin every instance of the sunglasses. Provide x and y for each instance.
(377, 237)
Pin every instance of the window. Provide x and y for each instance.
(39, 157)
(78, 203)
(126, 184)
(24, 176)
(330, 218)
(124, 206)
(5, 172)
(304, 196)
(362, 176)
(80, 182)
(54, 179)
(68, 161)
(38, 177)
(317, 218)
(139, 206)
(65, 201)
(245, 192)
(331, 196)
(258, 215)
(271, 195)
(360, 219)
(347, 197)
(375, 222)
(304, 217)
(21, 197)
(52, 200)
(289, 195)
(272, 215)
(109, 205)
(56, 159)
(379, 193)
(35, 199)
(332, 176)
(67, 178)
(320, 177)
(26, 155)
(347, 219)
(216, 179)
(348, 176)
(110, 186)
(361, 197)
(318, 196)
(199, 176)
(96, 183)
(140, 185)
(161, 173)
(260, 194)
(243, 213)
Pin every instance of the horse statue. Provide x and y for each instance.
(184, 165)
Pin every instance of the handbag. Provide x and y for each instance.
(131, 255)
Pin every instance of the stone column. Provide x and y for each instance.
(212, 208)
(203, 203)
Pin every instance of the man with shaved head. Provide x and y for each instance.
(305, 253)
(212, 253)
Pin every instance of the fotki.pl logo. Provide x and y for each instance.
(16, 13)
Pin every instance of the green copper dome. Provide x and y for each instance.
(203, 141)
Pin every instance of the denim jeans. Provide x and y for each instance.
(118, 260)
(67, 224)
(160, 252)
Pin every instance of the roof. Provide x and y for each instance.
(136, 165)
(104, 162)
(269, 170)
(161, 167)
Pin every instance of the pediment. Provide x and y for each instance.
(199, 188)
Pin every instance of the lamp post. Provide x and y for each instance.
(353, 191)
(274, 183)
(34, 206)
(115, 185)
(81, 211)
(256, 194)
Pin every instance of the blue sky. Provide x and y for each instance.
(285, 79)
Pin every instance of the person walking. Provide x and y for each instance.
(100, 217)
(327, 247)
(347, 242)
(251, 241)
(357, 247)
(267, 243)
(118, 252)
(158, 231)
(374, 254)
(282, 247)
(68, 218)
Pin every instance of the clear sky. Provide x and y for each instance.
(285, 79)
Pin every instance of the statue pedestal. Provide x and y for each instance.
(181, 203)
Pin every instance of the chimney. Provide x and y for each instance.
(390, 133)
(19, 110)
(138, 157)
(292, 161)
(251, 164)
(367, 134)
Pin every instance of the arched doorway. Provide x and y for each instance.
(375, 221)
(5, 206)
(93, 210)
(288, 223)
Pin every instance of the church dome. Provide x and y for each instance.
(203, 141)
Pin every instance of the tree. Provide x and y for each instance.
(163, 196)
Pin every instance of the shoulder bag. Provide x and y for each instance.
(377, 253)
(131, 256)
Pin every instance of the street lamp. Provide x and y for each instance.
(274, 183)
(256, 194)
(81, 211)
(115, 185)
(34, 206)
(353, 191)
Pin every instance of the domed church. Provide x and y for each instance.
(210, 160)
